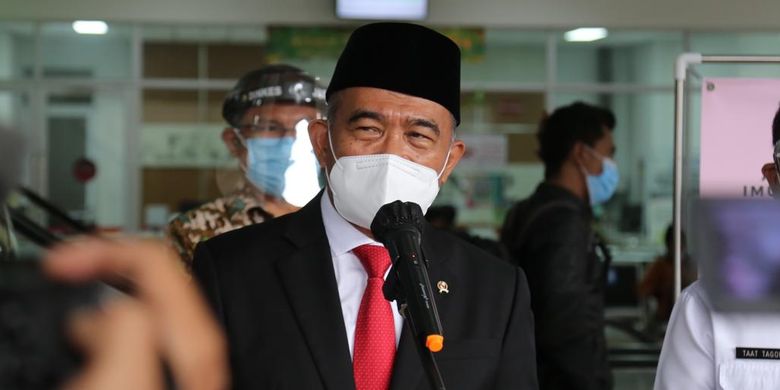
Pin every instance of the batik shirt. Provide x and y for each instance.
(222, 215)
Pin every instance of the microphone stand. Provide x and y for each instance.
(393, 292)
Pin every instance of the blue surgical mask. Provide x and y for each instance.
(267, 162)
(602, 187)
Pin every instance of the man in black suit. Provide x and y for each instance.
(299, 297)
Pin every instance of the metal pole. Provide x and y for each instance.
(679, 107)
(681, 71)
(741, 59)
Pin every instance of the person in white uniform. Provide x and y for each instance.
(707, 349)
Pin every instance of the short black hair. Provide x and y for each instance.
(607, 118)
(567, 125)
(446, 214)
(776, 127)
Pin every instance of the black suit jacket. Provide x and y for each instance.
(273, 288)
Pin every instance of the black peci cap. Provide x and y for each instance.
(278, 83)
(401, 57)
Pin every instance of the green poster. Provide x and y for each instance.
(304, 43)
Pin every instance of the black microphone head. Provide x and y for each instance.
(397, 216)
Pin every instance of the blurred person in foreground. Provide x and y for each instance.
(707, 349)
(265, 112)
(658, 280)
(301, 296)
(127, 338)
(549, 235)
(124, 340)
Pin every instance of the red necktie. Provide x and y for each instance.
(372, 361)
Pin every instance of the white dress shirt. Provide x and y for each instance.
(700, 348)
(351, 277)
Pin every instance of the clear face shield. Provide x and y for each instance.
(273, 131)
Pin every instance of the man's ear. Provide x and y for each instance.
(579, 154)
(457, 151)
(770, 173)
(318, 135)
(232, 142)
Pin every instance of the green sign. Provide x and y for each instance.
(470, 40)
(304, 43)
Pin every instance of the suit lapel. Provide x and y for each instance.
(310, 284)
(407, 369)
(408, 372)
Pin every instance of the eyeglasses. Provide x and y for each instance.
(271, 129)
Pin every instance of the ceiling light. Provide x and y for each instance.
(588, 34)
(93, 27)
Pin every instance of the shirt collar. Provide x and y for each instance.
(342, 235)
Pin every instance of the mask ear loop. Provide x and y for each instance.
(241, 164)
(446, 160)
(330, 143)
(241, 139)
(327, 175)
(593, 152)
(332, 153)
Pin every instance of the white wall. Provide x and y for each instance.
(693, 14)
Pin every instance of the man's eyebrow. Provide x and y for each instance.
(365, 114)
(425, 123)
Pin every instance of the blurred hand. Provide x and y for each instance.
(127, 338)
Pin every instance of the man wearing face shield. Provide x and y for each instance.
(267, 112)
(301, 296)
(549, 236)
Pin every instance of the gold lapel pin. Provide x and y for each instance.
(443, 287)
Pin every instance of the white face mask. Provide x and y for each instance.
(361, 185)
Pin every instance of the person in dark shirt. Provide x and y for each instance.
(549, 235)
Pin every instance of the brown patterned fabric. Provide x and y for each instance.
(222, 215)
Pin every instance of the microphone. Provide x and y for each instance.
(398, 226)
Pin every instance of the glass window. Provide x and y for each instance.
(213, 52)
(69, 54)
(177, 60)
(625, 57)
(184, 161)
(722, 43)
(507, 57)
(17, 50)
(232, 60)
(15, 111)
